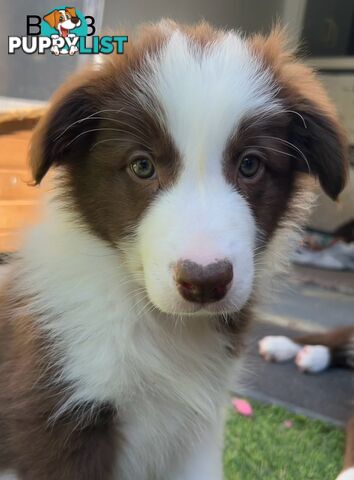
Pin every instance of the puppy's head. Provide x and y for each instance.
(63, 20)
(187, 152)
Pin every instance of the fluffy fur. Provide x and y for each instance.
(107, 371)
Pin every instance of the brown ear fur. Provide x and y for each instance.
(71, 10)
(315, 128)
(53, 141)
(51, 18)
(84, 95)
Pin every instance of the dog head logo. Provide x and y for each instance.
(66, 25)
(63, 20)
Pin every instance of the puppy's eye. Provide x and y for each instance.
(250, 165)
(143, 168)
(61, 18)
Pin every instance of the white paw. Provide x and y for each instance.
(347, 474)
(8, 476)
(277, 348)
(55, 50)
(73, 50)
(313, 358)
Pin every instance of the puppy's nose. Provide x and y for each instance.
(75, 20)
(203, 284)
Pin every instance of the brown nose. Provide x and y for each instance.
(75, 20)
(203, 284)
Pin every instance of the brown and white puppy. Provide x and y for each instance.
(182, 171)
(314, 353)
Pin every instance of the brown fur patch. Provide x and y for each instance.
(93, 129)
(349, 444)
(340, 341)
(336, 338)
(80, 444)
(270, 195)
(315, 128)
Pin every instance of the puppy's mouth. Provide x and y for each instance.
(217, 308)
(64, 32)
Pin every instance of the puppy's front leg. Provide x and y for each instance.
(70, 449)
(204, 461)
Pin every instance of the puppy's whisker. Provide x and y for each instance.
(290, 144)
(83, 119)
(130, 126)
(119, 121)
(298, 114)
(104, 141)
(271, 149)
(102, 129)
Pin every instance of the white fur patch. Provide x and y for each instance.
(204, 95)
(217, 224)
(8, 476)
(204, 460)
(169, 378)
(346, 474)
(313, 358)
(278, 348)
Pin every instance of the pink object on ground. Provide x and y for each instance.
(242, 407)
(288, 424)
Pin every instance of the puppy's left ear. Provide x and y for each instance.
(314, 127)
(321, 143)
(72, 11)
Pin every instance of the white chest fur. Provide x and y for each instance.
(167, 376)
(175, 405)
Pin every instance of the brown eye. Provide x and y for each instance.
(61, 18)
(143, 168)
(250, 165)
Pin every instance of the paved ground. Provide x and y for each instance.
(311, 307)
(304, 307)
(328, 396)
(330, 279)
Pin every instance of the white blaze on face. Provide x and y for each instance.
(202, 218)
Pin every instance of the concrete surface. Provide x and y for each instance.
(337, 281)
(302, 305)
(327, 396)
(311, 307)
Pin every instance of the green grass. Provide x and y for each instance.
(262, 448)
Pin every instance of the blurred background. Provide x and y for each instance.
(321, 283)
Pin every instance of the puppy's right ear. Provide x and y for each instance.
(66, 132)
(50, 19)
